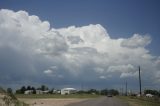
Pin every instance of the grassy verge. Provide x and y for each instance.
(134, 101)
(56, 96)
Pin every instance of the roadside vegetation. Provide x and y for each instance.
(152, 100)
(140, 101)
(7, 98)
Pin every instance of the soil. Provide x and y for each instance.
(51, 102)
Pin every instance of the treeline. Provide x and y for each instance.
(24, 88)
(100, 92)
(153, 92)
(52, 91)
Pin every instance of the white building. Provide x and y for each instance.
(66, 91)
(46, 92)
(39, 92)
(28, 92)
(42, 92)
(149, 95)
(56, 91)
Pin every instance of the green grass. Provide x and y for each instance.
(134, 101)
(56, 96)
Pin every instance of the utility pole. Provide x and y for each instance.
(122, 91)
(140, 81)
(126, 88)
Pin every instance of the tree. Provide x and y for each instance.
(23, 89)
(9, 90)
(93, 91)
(153, 92)
(44, 88)
(34, 90)
(18, 91)
(114, 92)
(104, 92)
(28, 87)
(82, 92)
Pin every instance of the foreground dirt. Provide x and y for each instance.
(51, 102)
(102, 101)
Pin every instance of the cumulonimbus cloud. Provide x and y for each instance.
(76, 52)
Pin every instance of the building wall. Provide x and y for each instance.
(67, 91)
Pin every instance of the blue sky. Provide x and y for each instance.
(119, 34)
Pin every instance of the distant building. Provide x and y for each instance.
(66, 91)
(45, 92)
(56, 91)
(149, 95)
(28, 92)
(39, 92)
(42, 92)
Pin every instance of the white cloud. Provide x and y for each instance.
(157, 63)
(79, 53)
(136, 41)
(128, 74)
(105, 77)
(48, 71)
(121, 68)
(102, 77)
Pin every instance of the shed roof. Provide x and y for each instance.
(68, 89)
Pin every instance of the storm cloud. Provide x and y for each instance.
(31, 52)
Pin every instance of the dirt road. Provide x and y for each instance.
(51, 102)
(103, 101)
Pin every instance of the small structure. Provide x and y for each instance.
(46, 92)
(66, 91)
(149, 95)
(56, 91)
(28, 92)
(39, 92)
(42, 92)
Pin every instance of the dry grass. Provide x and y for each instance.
(53, 100)
(42, 96)
(134, 101)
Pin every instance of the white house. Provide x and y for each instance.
(56, 91)
(42, 92)
(45, 92)
(39, 92)
(28, 92)
(65, 91)
(149, 95)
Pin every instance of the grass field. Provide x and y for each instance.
(134, 101)
(56, 96)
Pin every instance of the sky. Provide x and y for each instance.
(94, 43)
